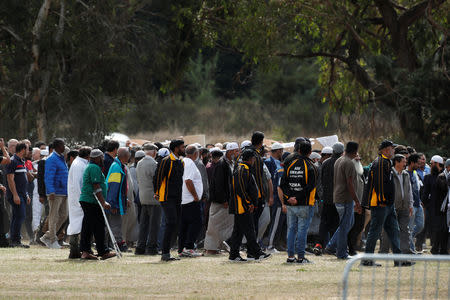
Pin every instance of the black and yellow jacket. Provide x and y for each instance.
(244, 190)
(299, 180)
(258, 172)
(380, 188)
(169, 179)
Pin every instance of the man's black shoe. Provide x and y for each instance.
(260, 256)
(291, 260)
(167, 257)
(369, 263)
(328, 251)
(352, 253)
(403, 263)
(74, 255)
(4, 242)
(139, 251)
(151, 252)
(237, 259)
(18, 245)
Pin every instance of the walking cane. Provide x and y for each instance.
(116, 247)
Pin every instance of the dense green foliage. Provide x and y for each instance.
(86, 68)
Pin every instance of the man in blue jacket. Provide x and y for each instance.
(117, 194)
(56, 173)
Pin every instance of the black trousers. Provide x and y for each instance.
(329, 222)
(149, 227)
(352, 238)
(190, 225)
(257, 214)
(172, 211)
(244, 226)
(93, 224)
(439, 235)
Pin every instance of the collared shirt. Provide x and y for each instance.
(18, 169)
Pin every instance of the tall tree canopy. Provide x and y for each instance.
(380, 52)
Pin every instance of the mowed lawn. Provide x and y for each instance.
(40, 273)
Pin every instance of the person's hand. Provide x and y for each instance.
(113, 210)
(270, 201)
(284, 209)
(2, 143)
(106, 205)
(28, 200)
(225, 205)
(16, 199)
(51, 197)
(2, 188)
(411, 211)
(196, 199)
(42, 200)
(156, 197)
(251, 208)
(292, 201)
(358, 208)
(128, 203)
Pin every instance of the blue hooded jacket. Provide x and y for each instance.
(56, 174)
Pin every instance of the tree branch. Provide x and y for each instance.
(312, 54)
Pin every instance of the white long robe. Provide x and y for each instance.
(74, 184)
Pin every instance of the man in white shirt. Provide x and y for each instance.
(74, 184)
(191, 219)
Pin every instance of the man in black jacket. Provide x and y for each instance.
(299, 188)
(242, 204)
(435, 189)
(329, 219)
(168, 190)
(379, 197)
(220, 223)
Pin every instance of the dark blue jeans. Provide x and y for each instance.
(383, 217)
(17, 218)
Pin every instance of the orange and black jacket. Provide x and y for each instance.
(299, 180)
(380, 188)
(244, 190)
(258, 172)
(169, 179)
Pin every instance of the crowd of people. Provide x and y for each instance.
(235, 198)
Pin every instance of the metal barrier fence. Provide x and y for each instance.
(426, 279)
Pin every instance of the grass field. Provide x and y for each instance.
(39, 273)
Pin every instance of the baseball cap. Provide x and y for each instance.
(386, 143)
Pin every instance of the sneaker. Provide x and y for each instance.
(227, 246)
(291, 260)
(318, 251)
(369, 263)
(403, 263)
(272, 250)
(168, 258)
(63, 244)
(46, 241)
(260, 256)
(55, 245)
(304, 260)
(237, 259)
(191, 253)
